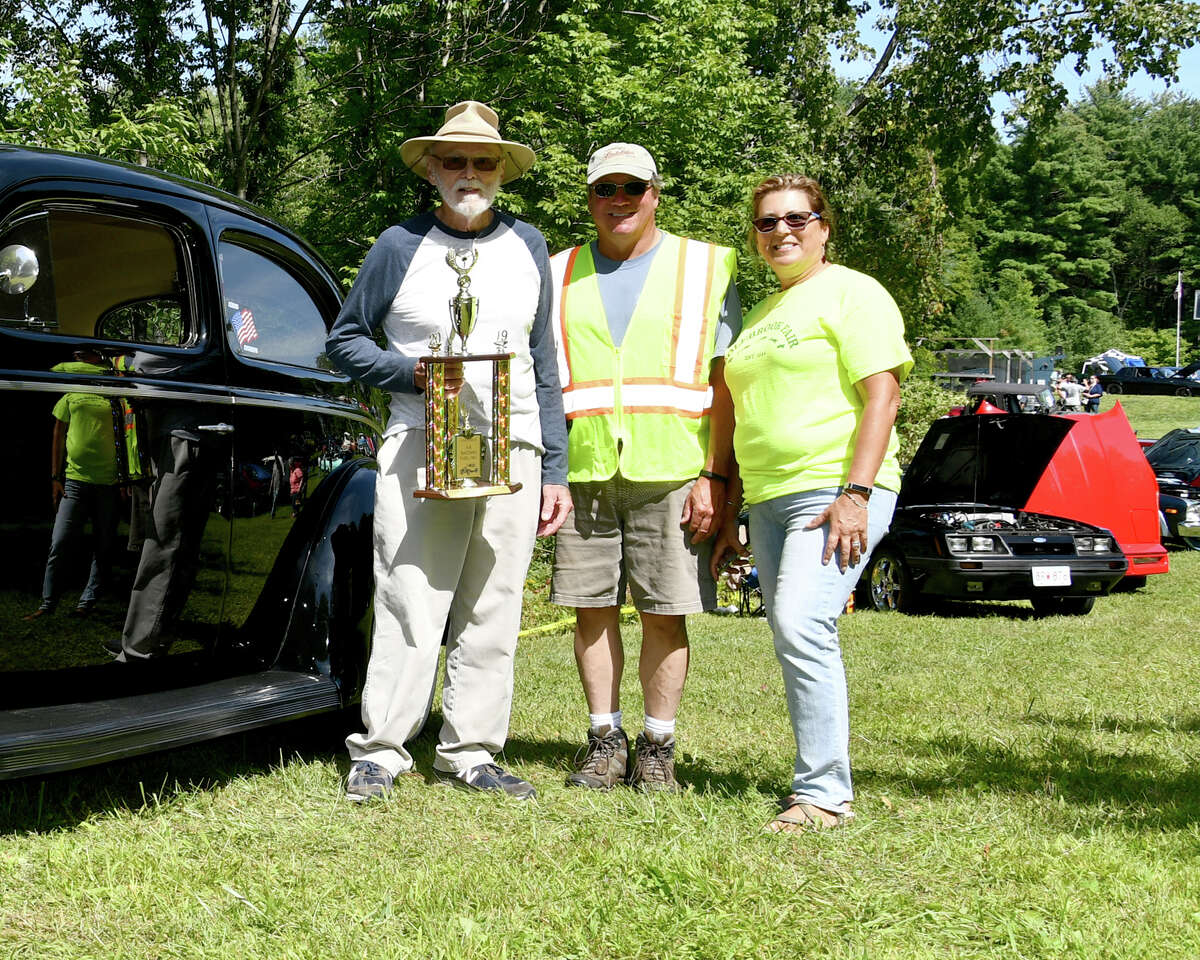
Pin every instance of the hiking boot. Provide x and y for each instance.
(654, 766)
(44, 610)
(367, 780)
(490, 777)
(605, 760)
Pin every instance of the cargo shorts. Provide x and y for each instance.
(628, 534)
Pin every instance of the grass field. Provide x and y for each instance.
(1026, 789)
(1151, 417)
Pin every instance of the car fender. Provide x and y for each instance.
(314, 613)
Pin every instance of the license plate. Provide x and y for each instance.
(1051, 576)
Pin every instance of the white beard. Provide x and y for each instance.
(471, 206)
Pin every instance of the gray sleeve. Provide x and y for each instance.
(729, 321)
(351, 345)
(545, 365)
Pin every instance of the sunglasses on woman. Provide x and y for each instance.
(606, 191)
(482, 164)
(797, 221)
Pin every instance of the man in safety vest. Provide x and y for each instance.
(642, 319)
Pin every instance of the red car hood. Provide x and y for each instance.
(1099, 475)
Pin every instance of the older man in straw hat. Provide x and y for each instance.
(457, 567)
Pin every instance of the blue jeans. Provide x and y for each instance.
(79, 502)
(803, 599)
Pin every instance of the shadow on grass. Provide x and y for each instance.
(1184, 723)
(64, 800)
(1137, 790)
(978, 609)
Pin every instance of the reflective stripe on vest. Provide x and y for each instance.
(662, 365)
(694, 275)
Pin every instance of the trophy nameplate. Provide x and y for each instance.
(460, 462)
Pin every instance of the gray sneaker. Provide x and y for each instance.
(654, 766)
(605, 760)
(490, 777)
(367, 780)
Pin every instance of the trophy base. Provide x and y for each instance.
(466, 493)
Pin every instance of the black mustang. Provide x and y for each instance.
(961, 530)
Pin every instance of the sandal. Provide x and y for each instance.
(796, 815)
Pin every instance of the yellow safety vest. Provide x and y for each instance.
(641, 408)
(134, 468)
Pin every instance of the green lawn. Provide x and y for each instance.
(1151, 417)
(1026, 788)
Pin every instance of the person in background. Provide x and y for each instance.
(1093, 395)
(815, 380)
(296, 486)
(1072, 394)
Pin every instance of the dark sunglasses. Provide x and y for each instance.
(482, 164)
(606, 191)
(797, 221)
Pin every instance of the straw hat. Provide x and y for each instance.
(469, 122)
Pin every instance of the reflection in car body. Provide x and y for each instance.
(216, 318)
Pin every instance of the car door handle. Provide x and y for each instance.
(216, 427)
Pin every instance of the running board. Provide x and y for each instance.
(47, 739)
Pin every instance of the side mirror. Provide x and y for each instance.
(18, 269)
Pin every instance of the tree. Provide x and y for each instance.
(50, 111)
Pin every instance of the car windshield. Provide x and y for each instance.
(1177, 450)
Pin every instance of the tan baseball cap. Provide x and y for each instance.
(469, 122)
(628, 158)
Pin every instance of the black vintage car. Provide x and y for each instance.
(1177, 381)
(960, 531)
(181, 334)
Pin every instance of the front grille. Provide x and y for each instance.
(1051, 548)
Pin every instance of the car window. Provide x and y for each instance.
(269, 314)
(102, 276)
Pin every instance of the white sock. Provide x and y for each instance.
(600, 720)
(660, 731)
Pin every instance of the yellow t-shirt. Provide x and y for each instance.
(792, 374)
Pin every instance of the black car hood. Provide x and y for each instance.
(1177, 452)
(993, 459)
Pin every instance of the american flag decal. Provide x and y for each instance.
(243, 326)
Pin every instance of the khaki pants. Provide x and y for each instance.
(461, 562)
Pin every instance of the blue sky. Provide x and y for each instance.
(1143, 86)
(1140, 85)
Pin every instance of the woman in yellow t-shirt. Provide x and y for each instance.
(815, 377)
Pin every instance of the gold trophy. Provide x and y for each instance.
(460, 461)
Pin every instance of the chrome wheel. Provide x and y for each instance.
(891, 586)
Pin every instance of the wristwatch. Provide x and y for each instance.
(862, 491)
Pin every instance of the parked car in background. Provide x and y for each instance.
(973, 521)
(1179, 381)
(997, 397)
(216, 317)
(1098, 477)
(1175, 460)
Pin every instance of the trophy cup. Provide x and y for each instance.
(460, 461)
